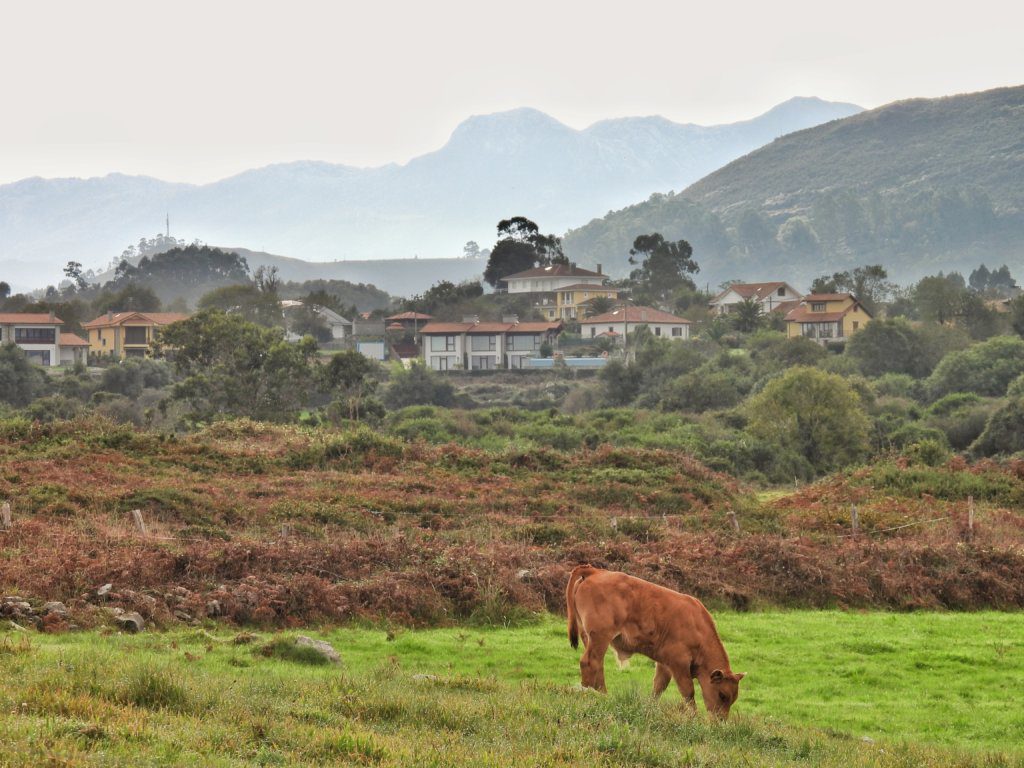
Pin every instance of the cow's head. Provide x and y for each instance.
(722, 693)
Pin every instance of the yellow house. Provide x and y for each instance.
(126, 334)
(570, 302)
(827, 317)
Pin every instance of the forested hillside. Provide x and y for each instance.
(920, 185)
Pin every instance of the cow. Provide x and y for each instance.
(635, 616)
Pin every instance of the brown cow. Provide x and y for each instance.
(634, 616)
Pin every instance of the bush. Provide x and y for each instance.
(929, 452)
(20, 381)
(1004, 432)
(418, 385)
(898, 385)
(53, 408)
(985, 369)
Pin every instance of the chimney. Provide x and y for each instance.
(53, 315)
(110, 315)
(599, 270)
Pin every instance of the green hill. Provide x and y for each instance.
(918, 185)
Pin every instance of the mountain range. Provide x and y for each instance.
(521, 162)
(919, 186)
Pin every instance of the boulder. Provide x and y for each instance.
(55, 607)
(131, 622)
(324, 648)
(213, 608)
(104, 590)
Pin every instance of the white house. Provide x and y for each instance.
(38, 333)
(621, 322)
(771, 296)
(339, 326)
(552, 278)
(480, 346)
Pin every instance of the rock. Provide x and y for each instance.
(55, 607)
(131, 622)
(213, 608)
(183, 616)
(324, 648)
(523, 574)
(104, 590)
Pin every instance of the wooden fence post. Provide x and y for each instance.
(853, 518)
(5, 516)
(970, 517)
(139, 522)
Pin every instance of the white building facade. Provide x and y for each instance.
(621, 322)
(479, 346)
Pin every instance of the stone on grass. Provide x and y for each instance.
(131, 622)
(104, 590)
(56, 607)
(324, 648)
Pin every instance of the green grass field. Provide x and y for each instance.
(824, 688)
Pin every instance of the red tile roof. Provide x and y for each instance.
(527, 327)
(636, 315)
(804, 315)
(785, 306)
(752, 290)
(38, 318)
(829, 297)
(555, 270)
(410, 316)
(72, 340)
(156, 318)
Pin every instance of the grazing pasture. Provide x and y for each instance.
(824, 688)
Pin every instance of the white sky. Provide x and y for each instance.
(196, 91)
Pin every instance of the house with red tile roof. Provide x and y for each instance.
(623, 321)
(771, 296)
(552, 278)
(127, 334)
(37, 333)
(827, 317)
(482, 346)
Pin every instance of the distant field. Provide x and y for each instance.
(926, 689)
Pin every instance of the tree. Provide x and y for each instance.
(418, 385)
(247, 301)
(73, 271)
(5, 290)
(233, 366)
(797, 236)
(266, 279)
(621, 382)
(599, 305)
(132, 297)
(870, 284)
(471, 250)
(887, 346)
(816, 414)
(443, 294)
(20, 381)
(1017, 315)
(1004, 431)
(521, 247)
(747, 316)
(985, 369)
(938, 298)
(347, 377)
(306, 321)
(664, 266)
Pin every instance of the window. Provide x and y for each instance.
(611, 329)
(135, 334)
(524, 342)
(593, 331)
(481, 362)
(483, 343)
(38, 356)
(657, 330)
(443, 363)
(35, 335)
(442, 343)
(677, 332)
(856, 324)
(782, 291)
(135, 353)
(818, 306)
(567, 297)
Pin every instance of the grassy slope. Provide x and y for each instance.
(818, 683)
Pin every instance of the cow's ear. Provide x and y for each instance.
(739, 676)
(717, 676)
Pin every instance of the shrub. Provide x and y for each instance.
(985, 369)
(898, 385)
(1004, 432)
(418, 385)
(928, 451)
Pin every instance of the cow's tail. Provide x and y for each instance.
(579, 573)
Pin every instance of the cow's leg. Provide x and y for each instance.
(592, 663)
(684, 682)
(662, 676)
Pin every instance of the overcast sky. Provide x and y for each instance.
(196, 91)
